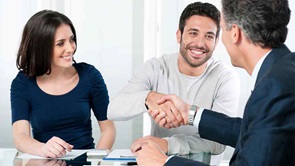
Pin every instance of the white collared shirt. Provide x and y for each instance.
(256, 70)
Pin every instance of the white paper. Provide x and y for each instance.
(120, 154)
(69, 155)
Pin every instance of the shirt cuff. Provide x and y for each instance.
(169, 157)
(198, 118)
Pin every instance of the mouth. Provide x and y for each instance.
(197, 53)
(67, 57)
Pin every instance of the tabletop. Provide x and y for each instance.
(8, 158)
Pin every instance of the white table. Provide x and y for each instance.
(7, 158)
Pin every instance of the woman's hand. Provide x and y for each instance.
(55, 147)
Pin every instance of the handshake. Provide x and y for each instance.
(168, 111)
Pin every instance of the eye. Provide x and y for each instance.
(210, 37)
(72, 39)
(193, 33)
(60, 44)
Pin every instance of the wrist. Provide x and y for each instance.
(148, 99)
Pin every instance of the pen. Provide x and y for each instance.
(127, 156)
(129, 163)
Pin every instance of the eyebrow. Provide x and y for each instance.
(71, 37)
(209, 32)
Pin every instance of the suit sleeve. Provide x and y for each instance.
(219, 127)
(177, 161)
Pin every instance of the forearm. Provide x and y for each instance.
(126, 106)
(181, 144)
(27, 144)
(108, 135)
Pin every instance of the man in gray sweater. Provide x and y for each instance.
(192, 74)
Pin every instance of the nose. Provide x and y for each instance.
(199, 41)
(70, 47)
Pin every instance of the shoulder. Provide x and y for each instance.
(86, 69)
(21, 84)
(82, 66)
(161, 62)
(21, 79)
(283, 71)
(88, 72)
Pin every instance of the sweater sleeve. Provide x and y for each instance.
(130, 102)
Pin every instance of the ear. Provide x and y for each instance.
(236, 33)
(178, 36)
(216, 41)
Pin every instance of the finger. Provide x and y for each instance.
(49, 154)
(163, 122)
(136, 147)
(178, 116)
(160, 116)
(64, 144)
(163, 99)
(170, 116)
(154, 113)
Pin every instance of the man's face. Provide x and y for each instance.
(198, 40)
(227, 40)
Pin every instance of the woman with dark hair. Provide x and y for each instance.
(53, 95)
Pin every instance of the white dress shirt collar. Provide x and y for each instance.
(256, 70)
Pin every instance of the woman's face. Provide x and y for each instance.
(64, 47)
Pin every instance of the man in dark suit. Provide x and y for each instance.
(254, 33)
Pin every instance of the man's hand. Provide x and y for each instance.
(150, 153)
(164, 113)
(55, 147)
(182, 110)
(162, 143)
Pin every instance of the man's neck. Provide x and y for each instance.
(253, 54)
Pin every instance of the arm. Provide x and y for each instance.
(149, 153)
(108, 134)
(131, 100)
(99, 103)
(220, 128)
(20, 111)
(55, 147)
(138, 96)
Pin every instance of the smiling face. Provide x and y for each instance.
(64, 47)
(198, 40)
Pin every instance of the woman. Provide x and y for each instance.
(53, 94)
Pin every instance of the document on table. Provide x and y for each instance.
(69, 155)
(120, 154)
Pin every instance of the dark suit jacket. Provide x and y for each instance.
(266, 135)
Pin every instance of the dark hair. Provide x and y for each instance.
(201, 9)
(36, 47)
(264, 22)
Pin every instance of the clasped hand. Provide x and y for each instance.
(169, 111)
